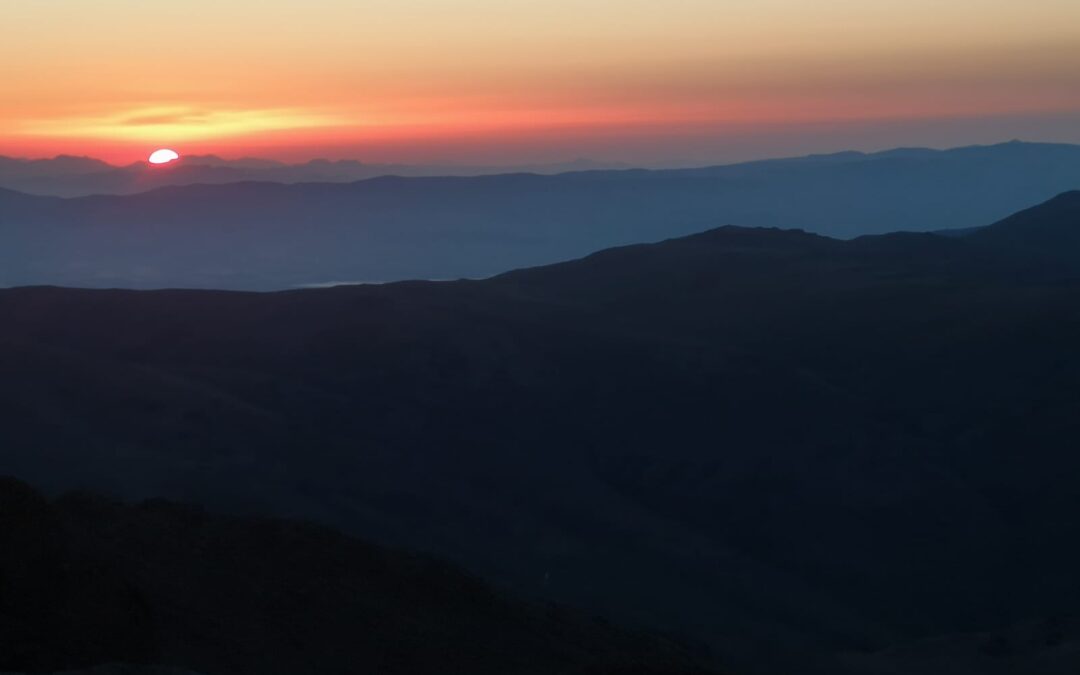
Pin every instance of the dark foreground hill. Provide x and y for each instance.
(268, 236)
(87, 581)
(791, 448)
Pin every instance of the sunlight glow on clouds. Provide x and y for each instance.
(265, 75)
(177, 124)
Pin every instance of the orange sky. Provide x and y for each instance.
(529, 80)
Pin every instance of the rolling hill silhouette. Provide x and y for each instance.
(1046, 234)
(789, 447)
(89, 582)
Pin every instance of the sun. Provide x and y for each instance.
(163, 156)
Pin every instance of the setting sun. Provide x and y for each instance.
(163, 156)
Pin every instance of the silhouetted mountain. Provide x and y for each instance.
(16, 171)
(1045, 234)
(79, 177)
(89, 581)
(260, 236)
(787, 446)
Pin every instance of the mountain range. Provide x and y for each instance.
(67, 176)
(803, 454)
(271, 236)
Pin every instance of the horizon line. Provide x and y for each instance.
(622, 164)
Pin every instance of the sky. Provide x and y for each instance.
(652, 82)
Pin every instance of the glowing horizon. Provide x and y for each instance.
(480, 80)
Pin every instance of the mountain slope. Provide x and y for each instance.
(90, 581)
(1047, 233)
(787, 446)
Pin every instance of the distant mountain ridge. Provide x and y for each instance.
(34, 175)
(66, 176)
(398, 228)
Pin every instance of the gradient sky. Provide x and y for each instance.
(503, 81)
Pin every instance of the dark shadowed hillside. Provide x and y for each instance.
(267, 236)
(792, 448)
(1049, 646)
(1048, 234)
(87, 581)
